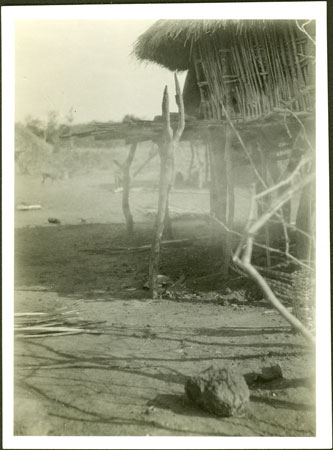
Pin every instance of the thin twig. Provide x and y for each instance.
(244, 146)
(287, 180)
(278, 204)
(301, 28)
(284, 110)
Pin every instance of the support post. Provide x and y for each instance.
(230, 202)
(201, 167)
(126, 189)
(207, 168)
(190, 167)
(169, 143)
(305, 224)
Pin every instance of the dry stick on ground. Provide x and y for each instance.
(126, 188)
(170, 142)
(242, 257)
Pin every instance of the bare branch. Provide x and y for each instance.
(287, 180)
(284, 110)
(278, 204)
(243, 146)
(256, 244)
(150, 157)
(301, 28)
(270, 296)
(118, 164)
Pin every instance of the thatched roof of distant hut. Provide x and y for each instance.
(265, 64)
(26, 141)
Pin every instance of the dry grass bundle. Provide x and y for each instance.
(60, 322)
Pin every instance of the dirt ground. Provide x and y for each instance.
(124, 374)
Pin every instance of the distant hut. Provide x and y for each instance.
(257, 74)
(31, 152)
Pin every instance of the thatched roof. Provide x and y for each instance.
(26, 141)
(169, 42)
(259, 65)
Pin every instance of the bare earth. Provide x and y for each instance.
(125, 375)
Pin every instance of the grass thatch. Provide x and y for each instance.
(26, 141)
(169, 42)
(31, 152)
(268, 64)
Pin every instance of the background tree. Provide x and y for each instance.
(36, 126)
(52, 127)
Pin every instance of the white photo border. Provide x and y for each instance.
(261, 10)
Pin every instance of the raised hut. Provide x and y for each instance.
(248, 67)
(252, 83)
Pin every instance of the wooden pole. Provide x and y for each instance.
(126, 189)
(190, 168)
(213, 186)
(168, 233)
(206, 165)
(169, 143)
(229, 182)
(201, 167)
(230, 202)
(305, 224)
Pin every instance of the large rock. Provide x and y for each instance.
(221, 391)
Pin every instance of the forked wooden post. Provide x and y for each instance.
(169, 142)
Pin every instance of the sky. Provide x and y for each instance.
(87, 65)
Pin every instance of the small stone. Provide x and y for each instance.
(53, 220)
(221, 391)
(271, 373)
(149, 410)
